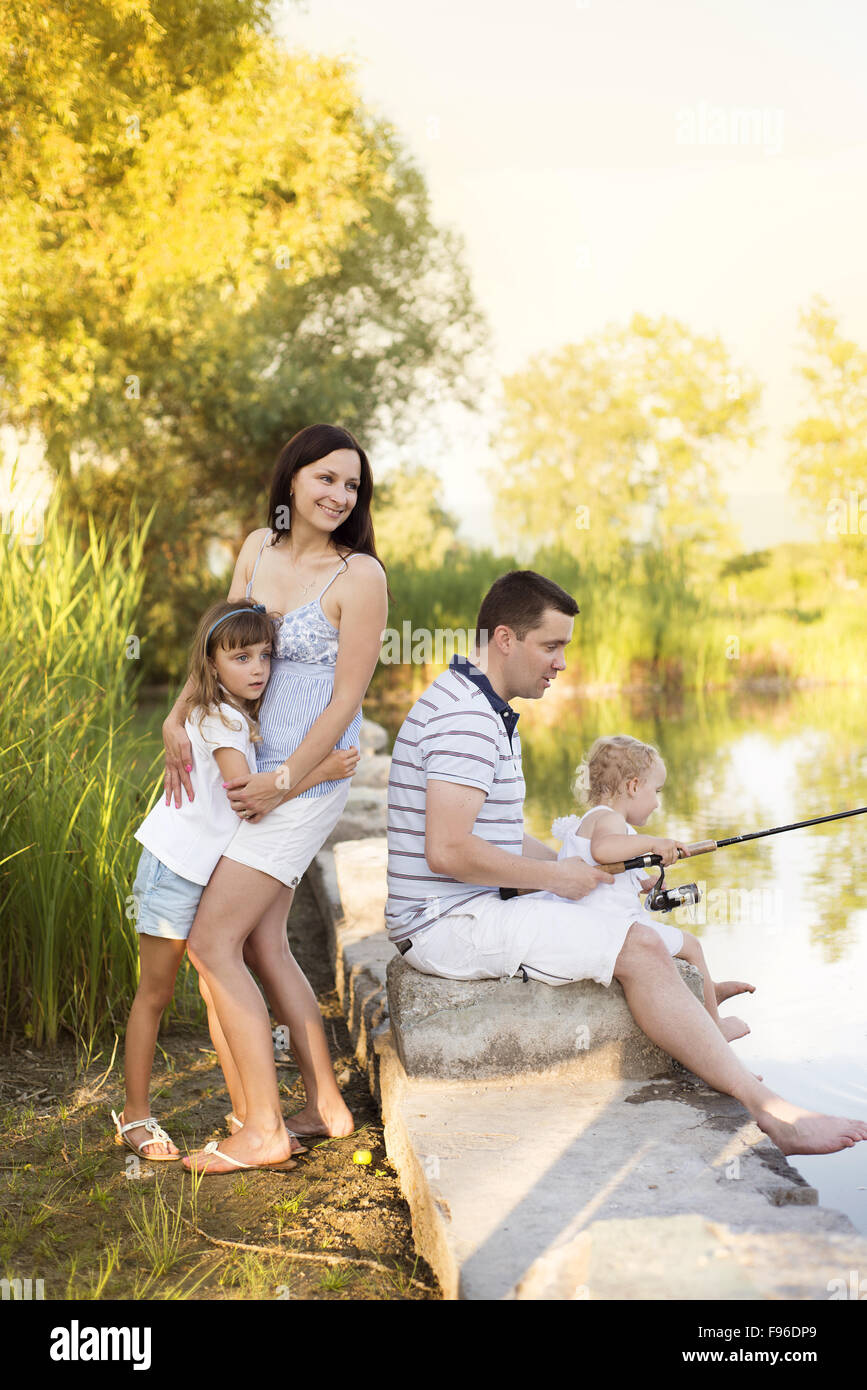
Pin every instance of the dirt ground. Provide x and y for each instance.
(94, 1222)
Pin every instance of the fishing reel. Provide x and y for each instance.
(662, 899)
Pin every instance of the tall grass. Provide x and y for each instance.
(74, 781)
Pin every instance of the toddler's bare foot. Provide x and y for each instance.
(726, 988)
(333, 1123)
(733, 1028)
(798, 1131)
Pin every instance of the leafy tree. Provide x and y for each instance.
(83, 92)
(618, 440)
(829, 459)
(211, 243)
(412, 526)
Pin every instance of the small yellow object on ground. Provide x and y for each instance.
(362, 1156)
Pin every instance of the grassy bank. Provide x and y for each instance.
(93, 1222)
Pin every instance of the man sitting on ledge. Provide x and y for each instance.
(456, 836)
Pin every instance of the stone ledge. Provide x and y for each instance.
(555, 1187)
(363, 816)
(457, 1029)
(348, 881)
(373, 738)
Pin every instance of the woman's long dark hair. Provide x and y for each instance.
(309, 445)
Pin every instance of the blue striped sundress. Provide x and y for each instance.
(301, 683)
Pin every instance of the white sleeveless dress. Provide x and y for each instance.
(300, 687)
(624, 892)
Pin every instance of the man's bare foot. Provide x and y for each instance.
(733, 1028)
(797, 1131)
(247, 1146)
(330, 1124)
(726, 988)
(235, 1124)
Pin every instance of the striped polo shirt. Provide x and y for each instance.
(453, 733)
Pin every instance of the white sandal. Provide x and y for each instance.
(152, 1127)
(213, 1148)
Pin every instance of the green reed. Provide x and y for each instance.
(74, 780)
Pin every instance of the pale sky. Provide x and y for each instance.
(552, 137)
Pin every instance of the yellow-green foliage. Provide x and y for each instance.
(210, 241)
(617, 440)
(648, 618)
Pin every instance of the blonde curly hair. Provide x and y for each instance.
(612, 761)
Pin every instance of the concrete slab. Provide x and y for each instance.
(349, 884)
(373, 738)
(486, 1028)
(556, 1188)
(372, 771)
(364, 815)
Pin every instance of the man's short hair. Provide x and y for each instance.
(518, 600)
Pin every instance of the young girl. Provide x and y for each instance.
(624, 778)
(229, 668)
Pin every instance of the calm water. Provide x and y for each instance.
(788, 913)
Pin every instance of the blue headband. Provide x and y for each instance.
(256, 608)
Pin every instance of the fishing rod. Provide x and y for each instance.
(662, 899)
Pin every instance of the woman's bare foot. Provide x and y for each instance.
(329, 1124)
(248, 1146)
(726, 988)
(798, 1131)
(235, 1124)
(733, 1028)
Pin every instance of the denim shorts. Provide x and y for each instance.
(166, 903)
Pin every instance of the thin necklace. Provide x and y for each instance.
(305, 588)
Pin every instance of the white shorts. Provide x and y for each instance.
(284, 841)
(553, 939)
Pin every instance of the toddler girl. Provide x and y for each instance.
(229, 665)
(624, 778)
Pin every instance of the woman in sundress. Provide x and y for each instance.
(316, 564)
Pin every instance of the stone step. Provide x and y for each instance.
(557, 1187)
(459, 1029)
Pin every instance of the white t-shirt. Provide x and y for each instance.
(190, 838)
